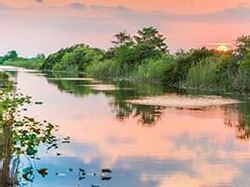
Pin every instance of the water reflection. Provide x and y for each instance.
(79, 86)
(238, 117)
(182, 147)
(72, 86)
(146, 115)
(22, 137)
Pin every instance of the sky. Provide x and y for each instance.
(44, 26)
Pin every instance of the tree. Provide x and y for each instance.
(185, 59)
(11, 54)
(1, 59)
(125, 54)
(243, 46)
(150, 42)
(121, 38)
(55, 58)
(40, 56)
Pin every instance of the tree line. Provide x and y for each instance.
(145, 57)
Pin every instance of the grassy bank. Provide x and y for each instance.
(33, 63)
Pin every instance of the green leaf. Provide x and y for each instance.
(43, 172)
(28, 174)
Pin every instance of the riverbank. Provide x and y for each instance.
(145, 57)
(25, 63)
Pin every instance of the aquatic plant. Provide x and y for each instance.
(22, 137)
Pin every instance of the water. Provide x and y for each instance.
(143, 145)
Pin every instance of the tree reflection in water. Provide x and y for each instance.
(147, 115)
(238, 117)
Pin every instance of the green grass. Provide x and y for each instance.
(25, 63)
(104, 69)
(155, 70)
(204, 75)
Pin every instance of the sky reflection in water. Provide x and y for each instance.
(143, 145)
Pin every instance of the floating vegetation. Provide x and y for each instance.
(73, 78)
(184, 102)
(106, 87)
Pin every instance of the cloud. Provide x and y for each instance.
(4, 7)
(239, 14)
(39, 1)
(77, 6)
(114, 8)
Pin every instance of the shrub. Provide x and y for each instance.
(104, 69)
(205, 74)
(156, 70)
(78, 59)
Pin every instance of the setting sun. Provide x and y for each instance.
(222, 48)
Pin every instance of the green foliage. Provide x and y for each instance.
(186, 59)
(121, 38)
(72, 59)
(126, 54)
(145, 57)
(24, 134)
(33, 63)
(241, 82)
(204, 75)
(3, 77)
(40, 56)
(11, 55)
(104, 69)
(56, 57)
(1, 60)
(244, 64)
(150, 43)
(132, 56)
(157, 70)
(243, 46)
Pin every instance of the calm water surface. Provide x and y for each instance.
(143, 145)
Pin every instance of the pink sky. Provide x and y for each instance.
(35, 26)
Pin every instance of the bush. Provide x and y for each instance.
(242, 80)
(104, 69)
(205, 74)
(156, 70)
(77, 59)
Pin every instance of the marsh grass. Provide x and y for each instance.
(34, 63)
(203, 75)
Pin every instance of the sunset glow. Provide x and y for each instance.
(222, 48)
(46, 26)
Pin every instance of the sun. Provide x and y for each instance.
(222, 48)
